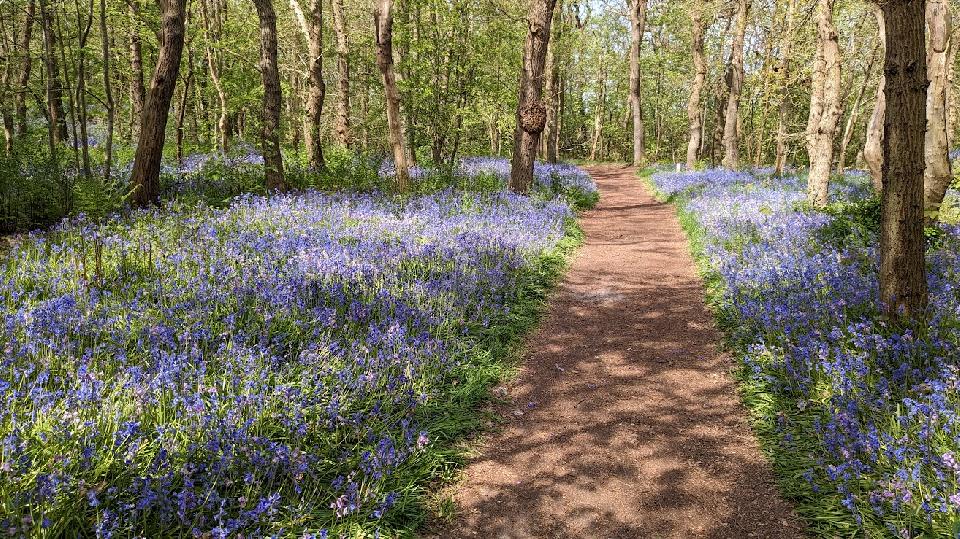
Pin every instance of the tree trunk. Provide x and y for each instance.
(780, 161)
(598, 114)
(854, 115)
(146, 164)
(734, 80)
(270, 134)
(21, 95)
(638, 21)
(108, 92)
(873, 147)
(55, 112)
(531, 114)
(383, 20)
(212, 32)
(5, 110)
(83, 29)
(138, 94)
(694, 108)
(312, 28)
(937, 173)
(824, 105)
(343, 74)
(552, 91)
(903, 283)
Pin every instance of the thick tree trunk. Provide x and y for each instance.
(343, 74)
(694, 108)
(311, 24)
(26, 66)
(638, 22)
(531, 114)
(734, 80)
(873, 147)
(937, 174)
(146, 164)
(55, 113)
(903, 283)
(270, 133)
(383, 19)
(138, 94)
(824, 105)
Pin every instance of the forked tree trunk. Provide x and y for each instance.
(903, 283)
(873, 147)
(26, 66)
(531, 114)
(383, 21)
(638, 22)
(212, 34)
(146, 164)
(937, 173)
(270, 129)
(734, 80)
(138, 94)
(311, 24)
(780, 161)
(694, 108)
(343, 74)
(824, 105)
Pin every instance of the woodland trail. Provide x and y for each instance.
(631, 426)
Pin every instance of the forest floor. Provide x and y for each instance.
(624, 421)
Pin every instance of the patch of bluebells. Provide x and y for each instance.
(868, 413)
(259, 369)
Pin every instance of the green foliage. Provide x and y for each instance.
(857, 221)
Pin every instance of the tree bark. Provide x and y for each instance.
(937, 173)
(552, 91)
(854, 115)
(212, 33)
(638, 22)
(270, 129)
(383, 25)
(734, 80)
(873, 147)
(312, 26)
(780, 162)
(55, 112)
(342, 126)
(8, 63)
(824, 105)
(21, 95)
(598, 109)
(107, 90)
(138, 94)
(146, 164)
(694, 108)
(903, 283)
(531, 114)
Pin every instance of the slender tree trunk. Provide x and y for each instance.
(598, 114)
(108, 92)
(383, 19)
(824, 105)
(343, 74)
(8, 63)
(903, 283)
(552, 92)
(873, 147)
(734, 79)
(138, 94)
(146, 164)
(854, 115)
(531, 114)
(55, 113)
(638, 22)
(780, 162)
(270, 134)
(694, 108)
(21, 96)
(937, 173)
(83, 28)
(212, 32)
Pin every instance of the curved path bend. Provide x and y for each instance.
(625, 420)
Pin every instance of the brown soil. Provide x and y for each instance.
(625, 420)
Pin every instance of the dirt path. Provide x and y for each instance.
(625, 422)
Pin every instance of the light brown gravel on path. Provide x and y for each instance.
(631, 426)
